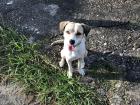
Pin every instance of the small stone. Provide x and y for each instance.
(121, 54)
(118, 85)
(10, 2)
(129, 38)
(105, 44)
(31, 40)
(98, 32)
(137, 44)
(1, 29)
(138, 49)
(133, 48)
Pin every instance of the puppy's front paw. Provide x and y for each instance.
(69, 74)
(82, 72)
(61, 63)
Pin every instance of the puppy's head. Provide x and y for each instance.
(73, 32)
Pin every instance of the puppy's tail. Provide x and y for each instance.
(57, 42)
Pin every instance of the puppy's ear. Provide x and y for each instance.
(62, 25)
(86, 29)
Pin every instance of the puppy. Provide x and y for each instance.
(74, 45)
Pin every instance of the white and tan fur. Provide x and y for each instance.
(73, 51)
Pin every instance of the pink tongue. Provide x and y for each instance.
(71, 48)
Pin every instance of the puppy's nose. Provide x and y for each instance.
(72, 42)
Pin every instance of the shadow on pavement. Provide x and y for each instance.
(109, 24)
(113, 66)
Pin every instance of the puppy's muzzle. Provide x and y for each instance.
(72, 42)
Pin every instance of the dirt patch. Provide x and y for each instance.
(12, 94)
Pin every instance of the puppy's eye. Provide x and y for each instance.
(78, 34)
(67, 32)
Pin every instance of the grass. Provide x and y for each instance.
(23, 63)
